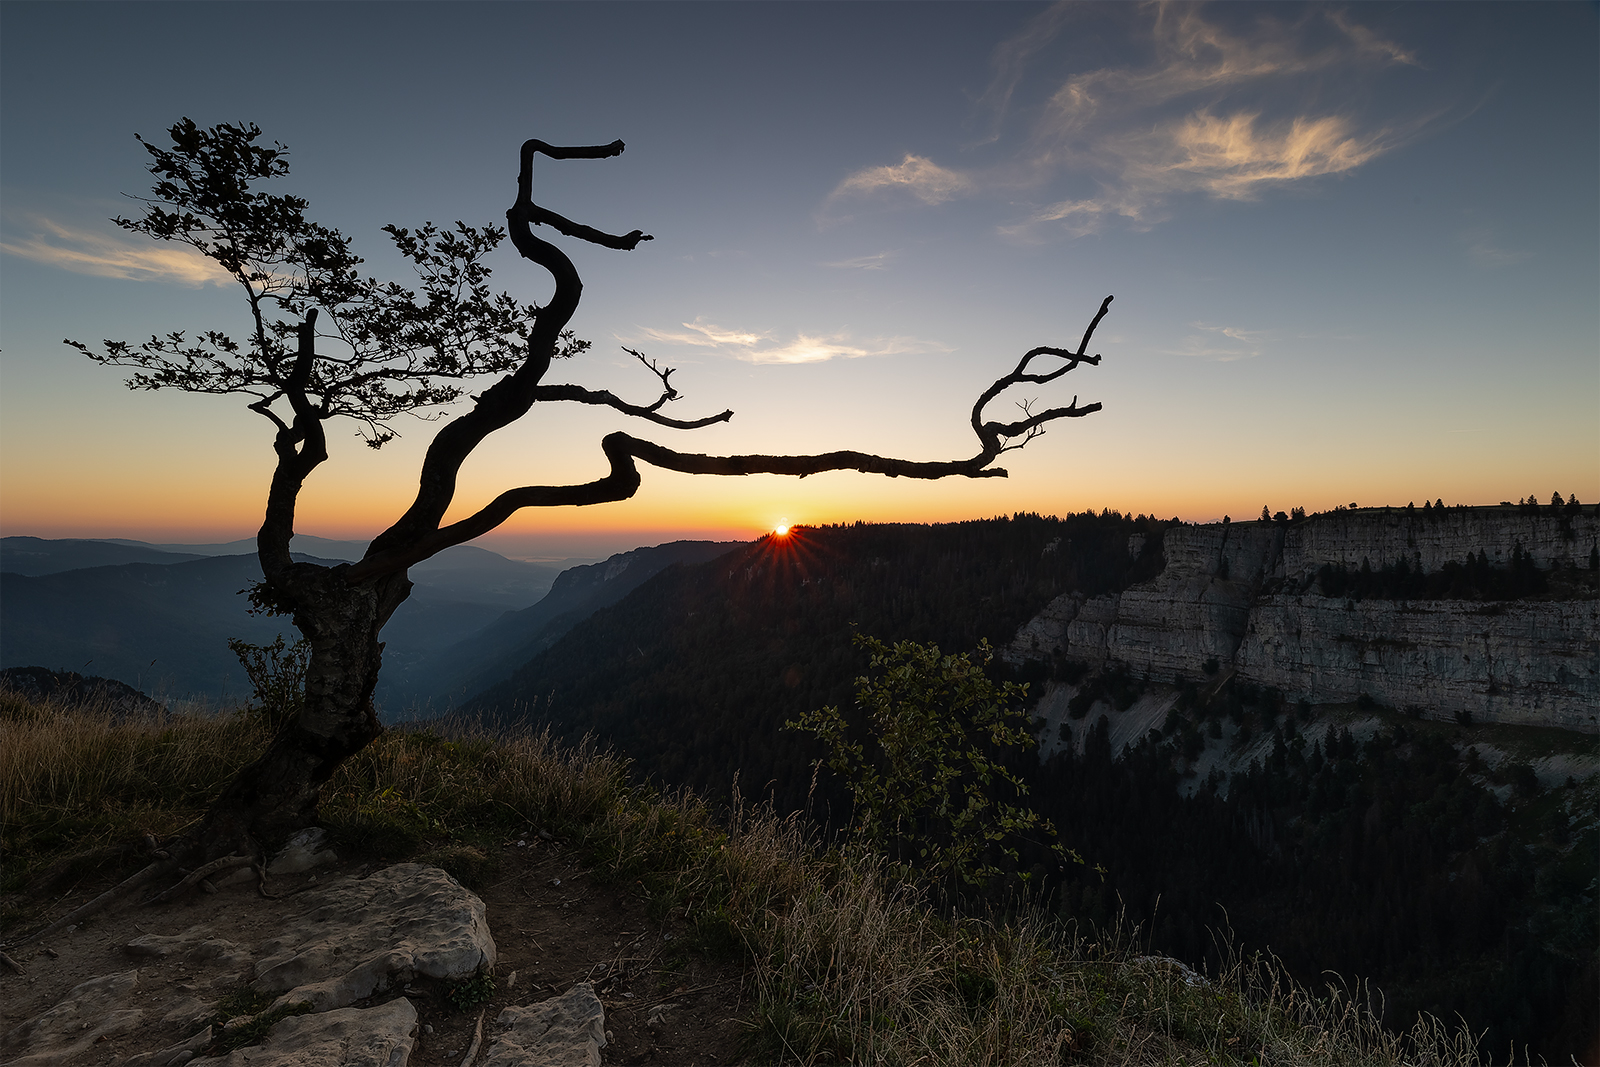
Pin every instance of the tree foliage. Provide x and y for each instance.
(923, 767)
(397, 349)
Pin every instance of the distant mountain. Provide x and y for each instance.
(322, 547)
(161, 628)
(38, 555)
(160, 620)
(69, 688)
(476, 575)
(436, 678)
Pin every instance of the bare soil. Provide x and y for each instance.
(553, 923)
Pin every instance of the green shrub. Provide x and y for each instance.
(922, 768)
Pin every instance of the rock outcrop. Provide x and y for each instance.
(568, 1030)
(364, 936)
(91, 1012)
(343, 961)
(381, 1036)
(1242, 597)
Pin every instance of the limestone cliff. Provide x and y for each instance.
(1243, 597)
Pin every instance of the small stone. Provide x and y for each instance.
(427, 1028)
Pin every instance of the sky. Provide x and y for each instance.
(1353, 249)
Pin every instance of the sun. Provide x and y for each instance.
(782, 529)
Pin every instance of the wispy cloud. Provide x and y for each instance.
(704, 335)
(920, 178)
(808, 349)
(1011, 61)
(1213, 343)
(107, 256)
(876, 261)
(1484, 252)
(803, 348)
(1208, 110)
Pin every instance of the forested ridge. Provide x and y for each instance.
(695, 673)
(1404, 859)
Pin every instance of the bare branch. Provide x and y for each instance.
(606, 398)
(511, 397)
(541, 216)
(989, 433)
(665, 374)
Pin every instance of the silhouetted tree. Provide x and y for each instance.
(384, 350)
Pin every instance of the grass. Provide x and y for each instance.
(848, 963)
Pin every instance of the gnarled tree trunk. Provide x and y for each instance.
(277, 794)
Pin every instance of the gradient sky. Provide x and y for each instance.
(1353, 248)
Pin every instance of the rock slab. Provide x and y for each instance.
(345, 1037)
(97, 1009)
(363, 936)
(564, 1031)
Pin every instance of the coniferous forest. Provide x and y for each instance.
(1392, 860)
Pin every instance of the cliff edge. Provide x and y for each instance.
(1415, 609)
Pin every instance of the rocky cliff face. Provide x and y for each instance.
(1242, 597)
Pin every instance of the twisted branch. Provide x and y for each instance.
(623, 450)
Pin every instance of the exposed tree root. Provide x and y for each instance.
(202, 872)
(477, 1042)
(104, 900)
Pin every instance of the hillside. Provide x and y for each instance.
(428, 678)
(694, 674)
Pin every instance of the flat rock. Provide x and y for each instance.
(345, 1037)
(564, 1031)
(197, 945)
(96, 1009)
(360, 937)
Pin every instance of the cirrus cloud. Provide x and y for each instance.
(760, 347)
(922, 179)
(106, 256)
(1221, 111)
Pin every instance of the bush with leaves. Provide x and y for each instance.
(923, 767)
(277, 673)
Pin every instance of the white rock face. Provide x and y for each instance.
(1349, 537)
(360, 937)
(564, 1031)
(1527, 662)
(1534, 662)
(347, 1037)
